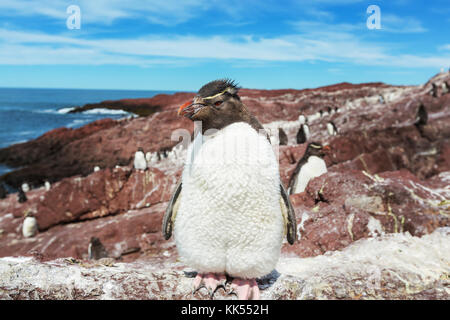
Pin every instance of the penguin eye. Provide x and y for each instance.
(218, 103)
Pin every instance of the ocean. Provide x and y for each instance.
(26, 114)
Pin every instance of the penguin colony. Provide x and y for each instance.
(227, 217)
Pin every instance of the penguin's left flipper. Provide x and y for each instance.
(171, 212)
(288, 215)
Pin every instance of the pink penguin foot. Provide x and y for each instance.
(246, 289)
(210, 281)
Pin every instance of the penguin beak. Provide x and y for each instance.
(189, 109)
(326, 149)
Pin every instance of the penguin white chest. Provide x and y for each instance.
(313, 168)
(229, 218)
(139, 161)
(29, 227)
(330, 129)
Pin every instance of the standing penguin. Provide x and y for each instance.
(148, 157)
(434, 90)
(29, 227)
(303, 134)
(282, 136)
(230, 211)
(21, 197)
(3, 192)
(96, 250)
(331, 127)
(311, 165)
(47, 186)
(139, 160)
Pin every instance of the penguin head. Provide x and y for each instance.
(216, 104)
(140, 149)
(316, 149)
(95, 241)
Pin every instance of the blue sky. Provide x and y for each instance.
(180, 45)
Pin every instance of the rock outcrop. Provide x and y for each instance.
(395, 266)
(388, 173)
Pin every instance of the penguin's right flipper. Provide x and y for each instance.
(171, 212)
(289, 215)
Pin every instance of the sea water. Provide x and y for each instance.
(26, 114)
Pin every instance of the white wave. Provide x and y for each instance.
(65, 110)
(25, 133)
(17, 142)
(78, 122)
(48, 111)
(105, 111)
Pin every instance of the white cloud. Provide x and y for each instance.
(166, 12)
(397, 24)
(19, 47)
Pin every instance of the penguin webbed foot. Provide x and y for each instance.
(245, 289)
(211, 281)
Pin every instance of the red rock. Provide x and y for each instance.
(386, 174)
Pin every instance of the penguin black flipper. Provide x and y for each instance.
(294, 176)
(288, 215)
(171, 212)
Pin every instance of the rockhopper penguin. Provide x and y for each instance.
(230, 211)
(311, 165)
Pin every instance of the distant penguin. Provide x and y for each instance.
(153, 158)
(321, 113)
(336, 109)
(21, 197)
(329, 109)
(47, 186)
(282, 136)
(25, 187)
(303, 134)
(148, 157)
(139, 160)
(96, 168)
(381, 99)
(311, 165)
(3, 192)
(302, 119)
(331, 127)
(433, 91)
(445, 88)
(29, 227)
(96, 250)
(422, 116)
